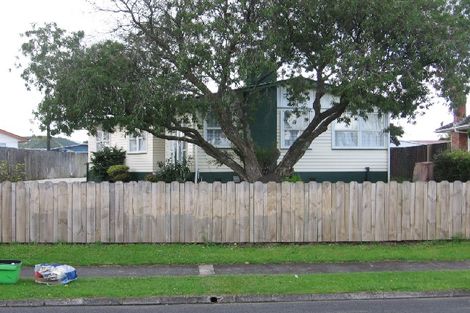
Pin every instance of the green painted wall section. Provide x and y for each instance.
(308, 176)
(264, 123)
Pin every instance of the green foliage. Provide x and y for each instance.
(118, 173)
(452, 166)
(294, 178)
(381, 53)
(399, 179)
(373, 55)
(102, 160)
(171, 171)
(267, 158)
(47, 50)
(395, 133)
(17, 173)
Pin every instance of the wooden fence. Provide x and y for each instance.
(403, 159)
(243, 212)
(46, 164)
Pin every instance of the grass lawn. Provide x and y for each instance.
(240, 285)
(140, 254)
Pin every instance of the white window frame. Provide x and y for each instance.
(178, 149)
(140, 149)
(102, 139)
(311, 114)
(206, 128)
(359, 137)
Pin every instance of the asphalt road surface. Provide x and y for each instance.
(447, 305)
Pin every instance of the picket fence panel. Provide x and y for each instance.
(233, 212)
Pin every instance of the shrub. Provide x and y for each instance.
(170, 172)
(119, 173)
(17, 173)
(452, 166)
(267, 158)
(151, 178)
(102, 160)
(293, 178)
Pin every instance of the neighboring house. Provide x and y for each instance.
(40, 143)
(416, 143)
(78, 148)
(355, 152)
(10, 140)
(458, 130)
(142, 153)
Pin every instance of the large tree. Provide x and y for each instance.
(180, 60)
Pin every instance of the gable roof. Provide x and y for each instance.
(19, 138)
(40, 142)
(464, 124)
(81, 147)
(268, 83)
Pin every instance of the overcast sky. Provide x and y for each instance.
(17, 103)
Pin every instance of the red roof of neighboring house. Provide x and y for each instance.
(4, 132)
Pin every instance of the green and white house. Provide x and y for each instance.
(355, 152)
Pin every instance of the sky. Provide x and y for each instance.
(17, 104)
(16, 17)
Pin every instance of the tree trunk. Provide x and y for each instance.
(48, 138)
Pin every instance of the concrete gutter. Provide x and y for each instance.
(233, 299)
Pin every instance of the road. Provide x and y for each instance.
(448, 305)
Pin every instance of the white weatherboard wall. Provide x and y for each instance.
(208, 164)
(159, 151)
(138, 162)
(7, 141)
(320, 157)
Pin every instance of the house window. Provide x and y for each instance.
(178, 152)
(213, 133)
(361, 133)
(138, 144)
(292, 125)
(102, 140)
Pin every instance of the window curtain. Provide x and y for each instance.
(360, 132)
(294, 125)
(372, 131)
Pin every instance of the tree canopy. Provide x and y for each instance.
(47, 49)
(177, 61)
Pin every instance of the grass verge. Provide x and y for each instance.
(145, 254)
(241, 285)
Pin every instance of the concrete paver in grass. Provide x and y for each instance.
(206, 270)
(240, 269)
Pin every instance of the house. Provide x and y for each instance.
(77, 148)
(355, 152)
(10, 140)
(40, 143)
(416, 143)
(458, 130)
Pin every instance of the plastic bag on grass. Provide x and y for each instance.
(54, 274)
